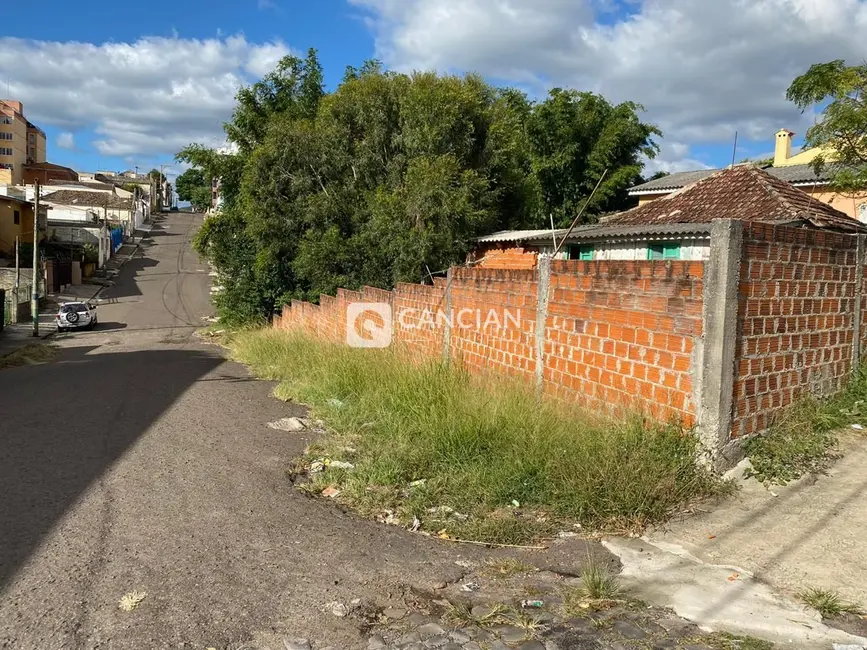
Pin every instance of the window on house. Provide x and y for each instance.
(6, 136)
(6, 120)
(584, 252)
(16, 217)
(669, 250)
(5, 151)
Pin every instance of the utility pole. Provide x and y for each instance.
(15, 290)
(34, 294)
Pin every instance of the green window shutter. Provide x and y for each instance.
(584, 253)
(664, 251)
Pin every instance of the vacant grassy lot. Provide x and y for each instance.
(470, 458)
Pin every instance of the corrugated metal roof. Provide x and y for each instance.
(673, 181)
(601, 230)
(800, 174)
(514, 235)
(791, 174)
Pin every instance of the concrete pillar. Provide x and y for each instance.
(447, 327)
(715, 356)
(542, 289)
(857, 303)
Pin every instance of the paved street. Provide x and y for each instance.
(140, 460)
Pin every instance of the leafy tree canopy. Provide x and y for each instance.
(158, 176)
(192, 186)
(843, 127)
(390, 177)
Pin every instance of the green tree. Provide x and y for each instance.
(842, 131)
(294, 88)
(576, 137)
(158, 176)
(390, 177)
(192, 186)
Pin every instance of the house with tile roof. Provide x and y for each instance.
(82, 205)
(795, 169)
(674, 227)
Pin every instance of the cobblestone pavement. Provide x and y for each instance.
(531, 610)
(620, 628)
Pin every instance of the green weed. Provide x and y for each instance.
(828, 603)
(802, 440)
(472, 459)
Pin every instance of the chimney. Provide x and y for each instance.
(783, 147)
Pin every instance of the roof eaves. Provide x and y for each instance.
(655, 190)
(599, 231)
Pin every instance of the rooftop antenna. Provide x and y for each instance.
(734, 150)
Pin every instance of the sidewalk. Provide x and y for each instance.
(18, 335)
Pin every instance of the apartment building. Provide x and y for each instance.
(21, 142)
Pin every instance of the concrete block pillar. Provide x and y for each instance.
(715, 356)
(543, 287)
(447, 326)
(858, 302)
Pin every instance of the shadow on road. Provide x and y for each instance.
(110, 325)
(126, 285)
(64, 424)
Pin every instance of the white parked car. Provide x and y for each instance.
(73, 315)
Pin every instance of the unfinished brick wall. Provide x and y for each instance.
(623, 333)
(617, 334)
(508, 258)
(796, 319)
(415, 318)
(725, 344)
(494, 321)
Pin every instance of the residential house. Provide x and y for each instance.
(166, 197)
(46, 173)
(128, 179)
(795, 169)
(16, 220)
(216, 195)
(83, 206)
(674, 227)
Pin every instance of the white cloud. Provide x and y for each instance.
(66, 140)
(151, 97)
(702, 69)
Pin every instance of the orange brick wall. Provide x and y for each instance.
(617, 333)
(506, 346)
(422, 337)
(795, 320)
(624, 331)
(508, 258)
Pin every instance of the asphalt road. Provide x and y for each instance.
(140, 460)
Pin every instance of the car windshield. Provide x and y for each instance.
(79, 307)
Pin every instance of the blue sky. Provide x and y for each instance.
(127, 84)
(335, 28)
